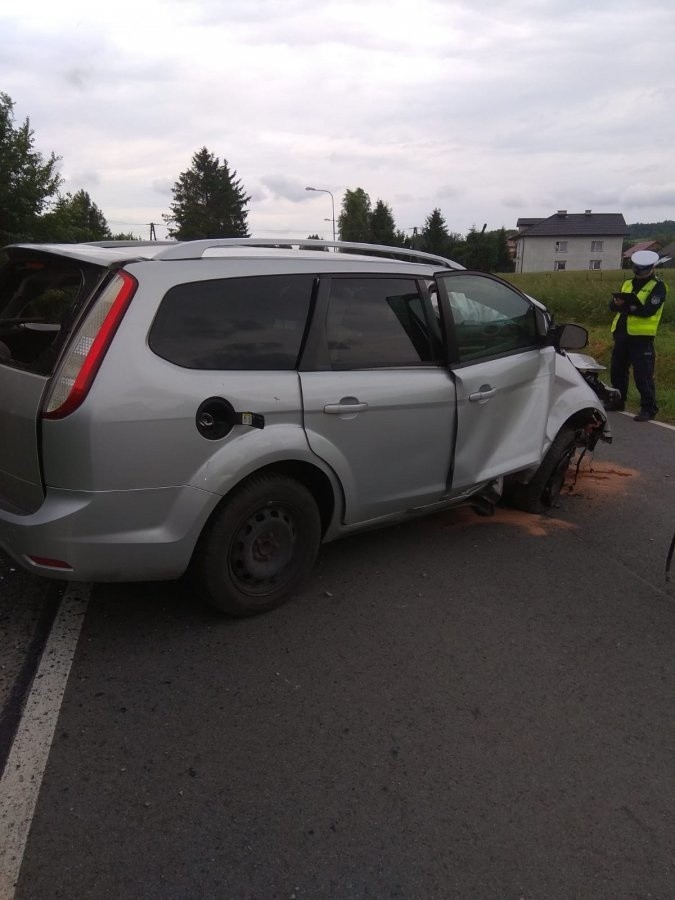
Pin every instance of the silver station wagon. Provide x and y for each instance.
(224, 406)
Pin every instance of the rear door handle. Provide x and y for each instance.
(483, 394)
(341, 409)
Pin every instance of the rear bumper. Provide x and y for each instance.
(109, 536)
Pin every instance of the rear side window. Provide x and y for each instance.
(377, 323)
(234, 323)
(39, 300)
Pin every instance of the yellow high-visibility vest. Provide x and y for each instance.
(640, 325)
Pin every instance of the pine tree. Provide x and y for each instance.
(208, 201)
(382, 226)
(27, 180)
(435, 238)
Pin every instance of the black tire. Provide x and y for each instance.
(543, 490)
(261, 544)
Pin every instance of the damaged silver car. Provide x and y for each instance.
(225, 406)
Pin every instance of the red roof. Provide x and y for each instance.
(644, 245)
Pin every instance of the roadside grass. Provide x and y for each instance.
(583, 297)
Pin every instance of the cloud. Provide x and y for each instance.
(89, 177)
(660, 196)
(449, 192)
(285, 187)
(77, 77)
(162, 185)
(493, 113)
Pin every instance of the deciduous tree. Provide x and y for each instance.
(74, 218)
(503, 259)
(27, 180)
(354, 220)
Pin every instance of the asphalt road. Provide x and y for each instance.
(460, 707)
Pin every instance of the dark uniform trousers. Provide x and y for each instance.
(638, 352)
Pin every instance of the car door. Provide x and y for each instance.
(40, 294)
(379, 403)
(503, 378)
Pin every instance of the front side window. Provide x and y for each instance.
(490, 318)
(376, 323)
(253, 323)
(595, 264)
(559, 265)
(597, 246)
(561, 246)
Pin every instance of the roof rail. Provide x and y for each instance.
(131, 243)
(196, 249)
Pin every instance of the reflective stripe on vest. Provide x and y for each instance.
(640, 325)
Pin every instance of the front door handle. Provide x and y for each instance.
(481, 396)
(342, 408)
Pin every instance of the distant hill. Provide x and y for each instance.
(654, 230)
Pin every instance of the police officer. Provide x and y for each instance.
(638, 307)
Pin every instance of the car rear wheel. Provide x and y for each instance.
(543, 490)
(260, 546)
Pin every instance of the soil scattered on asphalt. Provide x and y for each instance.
(535, 525)
(590, 482)
(598, 480)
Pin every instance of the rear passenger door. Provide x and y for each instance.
(379, 403)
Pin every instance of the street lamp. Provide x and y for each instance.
(332, 203)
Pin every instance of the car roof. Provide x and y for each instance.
(107, 253)
(104, 253)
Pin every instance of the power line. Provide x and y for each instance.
(123, 222)
(153, 226)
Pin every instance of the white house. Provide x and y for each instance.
(571, 241)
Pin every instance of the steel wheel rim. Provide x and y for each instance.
(262, 550)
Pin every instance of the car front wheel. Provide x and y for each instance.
(543, 490)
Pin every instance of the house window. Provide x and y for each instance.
(561, 246)
(559, 265)
(595, 264)
(597, 247)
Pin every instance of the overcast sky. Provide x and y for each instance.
(487, 110)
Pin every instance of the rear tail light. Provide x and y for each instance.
(85, 355)
(48, 563)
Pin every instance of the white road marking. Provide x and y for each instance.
(27, 760)
(651, 421)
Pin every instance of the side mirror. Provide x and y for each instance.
(543, 320)
(571, 337)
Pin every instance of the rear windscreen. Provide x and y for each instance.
(39, 301)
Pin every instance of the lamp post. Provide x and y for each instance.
(332, 203)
